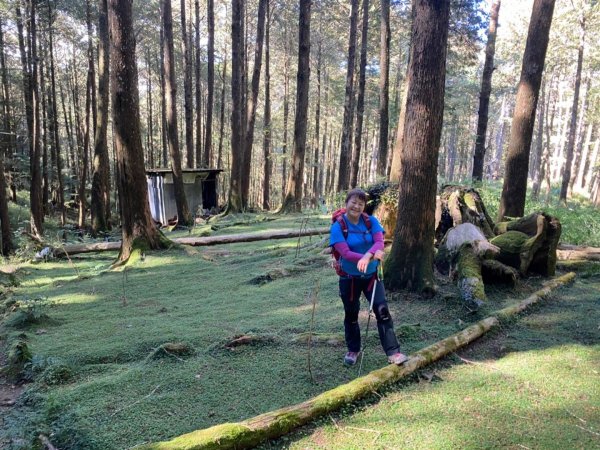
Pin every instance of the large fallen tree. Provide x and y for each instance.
(74, 249)
(251, 432)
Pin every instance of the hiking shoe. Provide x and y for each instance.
(397, 358)
(350, 358)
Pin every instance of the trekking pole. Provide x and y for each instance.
(362, 353)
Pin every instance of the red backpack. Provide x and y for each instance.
(338, 216)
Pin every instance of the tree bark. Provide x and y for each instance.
(410, 263)
(54, 120)
(537, 170)
(183, 212)
(138, 230)
(514, 189)
(293, 198)
(384, 88)
(346, 148)
(360, 102)
(210, 83)
(6, 140)
(187, 89)
(235, 203)
(267, 167)
(315, 161)
(484, 95)
(251, 102)
(286, 111)
(566, 178)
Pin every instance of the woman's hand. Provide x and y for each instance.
(364, 262)
(379, 255)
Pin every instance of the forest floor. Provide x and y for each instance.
(96, 380)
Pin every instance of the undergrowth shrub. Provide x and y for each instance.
(29, 312)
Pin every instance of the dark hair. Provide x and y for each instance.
(362, 195)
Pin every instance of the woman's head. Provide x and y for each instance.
(356, 194)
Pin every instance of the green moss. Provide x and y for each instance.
(510, 242)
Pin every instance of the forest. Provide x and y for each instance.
(163, 162)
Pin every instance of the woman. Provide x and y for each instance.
(359, 241)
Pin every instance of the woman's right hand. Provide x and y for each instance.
(379, 255)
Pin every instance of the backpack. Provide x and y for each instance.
(338, 216)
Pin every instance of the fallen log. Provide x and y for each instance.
(195, 241)
(251, 432)
(576, 252)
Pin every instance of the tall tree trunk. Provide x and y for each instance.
(222, 116)
(54, 119)
(384, 88)
(101, 174)
(163, 98)
(286, 111)
(410, 263)
(237, 117)
(36, 175)
(360, 103)
(6, 245)
(346, 148)
(44, 113)
(514, 189)
(293, 198)
(210, 83)
(315, 162)
(251, 102)
(578, 157)
(139, 232)
(10, 142)
(573, 122)
(267, 167)
(539, 146)
(183, 211)
(197, 69)
(150, 116)
(187, 89)
(484, 95)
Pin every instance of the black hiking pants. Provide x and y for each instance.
(351, 289)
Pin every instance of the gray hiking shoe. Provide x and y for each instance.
(397, 358)
(350, 358)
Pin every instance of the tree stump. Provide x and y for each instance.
(529, 244)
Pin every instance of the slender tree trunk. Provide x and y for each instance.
(410, 263)
(384, 88)
(514, 189)
(150, 116)
(267, 167)
(539, 146)
(187, 88)
(346, 148)
(183, 211)
(315, 162)
(286, 111)
(237, 117)
(360, 103)
(251, 102)
(139, 232)
(44, 112)
(222, 116)
(293, 198)
(197, 69)
(36, 175)
(163, 97)
(54, 119)
(578, 160)
(484, 95)
(210, 83)
(6, 245)
(573, 122)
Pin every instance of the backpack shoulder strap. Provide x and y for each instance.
(340, 220)
(367, 220)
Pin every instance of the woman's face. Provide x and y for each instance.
(354, 207)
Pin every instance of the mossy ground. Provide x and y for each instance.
(104, 324)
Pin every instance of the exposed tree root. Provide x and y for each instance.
(251, 432)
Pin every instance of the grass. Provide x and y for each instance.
(95, 385)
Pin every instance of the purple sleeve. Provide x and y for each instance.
(343, 249)
(377, 242)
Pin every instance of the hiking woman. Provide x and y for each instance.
(359, 242)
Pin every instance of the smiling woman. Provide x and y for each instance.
(358, 239)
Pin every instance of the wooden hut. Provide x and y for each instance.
(200, 186)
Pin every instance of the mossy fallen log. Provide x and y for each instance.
(270, 425)
(194, 241)
(578, 252)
